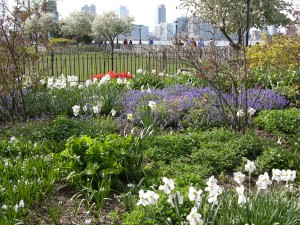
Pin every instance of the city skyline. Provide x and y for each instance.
(144, 13)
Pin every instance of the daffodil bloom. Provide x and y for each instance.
(172, 198)
(143, 198)
(168, 186)
(129, 116)
(250, 166)
(263, 181)
(96, 109)
(152, 105)
(276, 175)
(194, 195)
(194, 217)
(113, 112)
(240, 113)
(239, 177)
(153, 71)
(76, 109)
(241, 197)
(152, 197)
(251, 111)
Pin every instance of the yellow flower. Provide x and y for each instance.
(129, 116)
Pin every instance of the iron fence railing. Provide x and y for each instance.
(86, 64)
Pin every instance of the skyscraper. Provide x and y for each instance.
(160, 14)
(123, 11)
(91, 8)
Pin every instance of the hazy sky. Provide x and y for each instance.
(142, 10)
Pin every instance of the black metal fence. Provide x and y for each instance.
(86, 64)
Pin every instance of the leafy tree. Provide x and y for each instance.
(230, 16)
(77, 25)
(38, 25)
(109, 26)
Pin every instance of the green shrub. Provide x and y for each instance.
(279, 122)
(62, 42)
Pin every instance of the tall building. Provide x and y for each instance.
(91, 8)
(160, 14)
(123, 12)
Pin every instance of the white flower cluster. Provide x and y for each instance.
(214, 190)
(60, 82)
(283, 175)
(241, 112)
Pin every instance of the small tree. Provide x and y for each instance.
(77, 25)
(17, 79)
(109, 26)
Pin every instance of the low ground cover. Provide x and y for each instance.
(117, 138)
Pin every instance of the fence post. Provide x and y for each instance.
(52, 63)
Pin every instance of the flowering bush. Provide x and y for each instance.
(112, 74)
(215, 205)
(191, 103)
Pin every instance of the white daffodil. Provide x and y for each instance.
(168, 186)
(143, 198)
(276, 175)
(113, 112)
(96, 109)
(152, 105)
(76, 109)
(241, 197)
(85, 108)
(240, 113)
(290, 175)
(21, 204)
(239, 177)
(194, 195)
(119, 81)
(153, 71)
(16, 208)
(4, 207)
(251, 111)
(263, 181)
(250, 166)
(194, 217)
(152, 197)
(139, 71)
(175, 197)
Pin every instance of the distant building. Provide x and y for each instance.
(123, 12)
(135, 34)
(164, 31)
(270, 30)
(200, 29)
(182, 25)
(91, 8)
(160, 14)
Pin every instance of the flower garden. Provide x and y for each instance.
(153, 148)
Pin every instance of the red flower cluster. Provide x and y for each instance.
(112, 74)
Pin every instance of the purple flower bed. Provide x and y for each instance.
(179, 101)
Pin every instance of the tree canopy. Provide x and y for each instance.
(230, 15)
(109, 25)
(78, 24)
